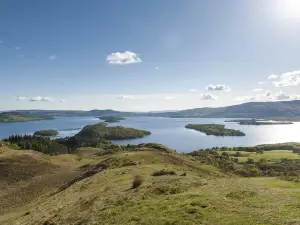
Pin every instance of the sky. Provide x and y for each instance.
(147, 55)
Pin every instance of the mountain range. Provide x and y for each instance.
(280, 109)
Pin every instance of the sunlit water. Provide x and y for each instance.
(167, 131)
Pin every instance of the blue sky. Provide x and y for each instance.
(147, 55)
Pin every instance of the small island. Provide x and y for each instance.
(46, 133)
(259, 122)
(102, 131)
(7, 117)
(215, 129)
(111, 119)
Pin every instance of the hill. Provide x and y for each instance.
(282, 109)
(151, 185)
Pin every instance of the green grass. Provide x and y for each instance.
(271, 156)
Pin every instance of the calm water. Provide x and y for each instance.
(167, 131)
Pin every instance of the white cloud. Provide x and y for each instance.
(62, 100)
(40, 99)
(52, 57)
(123, 58)
(21, 98)
(193, 90)
(257, 89)
(17, 48)
(157, 68)
(261, 83)
(170, 97)
(272, 77)
(288, 79)
(218, 87)
(284, 96)
(126, 97)
(248, 98)
(208, 97)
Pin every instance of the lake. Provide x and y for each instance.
(167, 131)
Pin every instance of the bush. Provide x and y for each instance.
(238, 154)
(163, 172)
(250, 161)
(225, 154)
(137, 181)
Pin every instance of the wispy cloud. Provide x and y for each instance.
(1, 42)
(52, 57)
(261, 82)
(21, 55)
(272, 77)
(248, 98)
(132, 97)
(123, 58)
(157, 68)
(257, 89)
(35, 99)
(218, 87)
(288, 79)
(193, 90)
(17, 48)
(40, 99)
(170, 97)
(62, 100)
(207, 97)
(21, 98)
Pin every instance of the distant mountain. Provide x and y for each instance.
(285, 109)
(274, 110)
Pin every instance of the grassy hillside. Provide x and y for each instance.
(152, 185)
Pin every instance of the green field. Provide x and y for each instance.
(270, 156)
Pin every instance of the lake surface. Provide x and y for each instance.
(167, 131)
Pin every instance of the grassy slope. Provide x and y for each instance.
(204, 196)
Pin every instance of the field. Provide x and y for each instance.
(270, 156)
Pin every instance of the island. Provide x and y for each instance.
(46, 133)
(111, 119)
(102, 131)
(215, 129)
(259, 122)
(14, 117)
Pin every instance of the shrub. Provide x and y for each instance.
(137, 181)
(225, 154)
(163, 172)
(238, 154)
(250, 161)
(183, 174)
